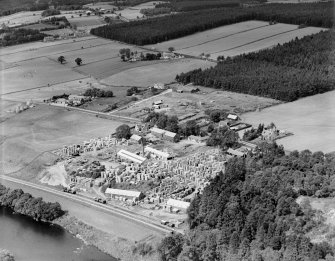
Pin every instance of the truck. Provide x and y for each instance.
(100, 200)
(69, 190)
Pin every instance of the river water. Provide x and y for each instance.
(29, 240)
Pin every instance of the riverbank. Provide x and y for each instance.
(118, 247)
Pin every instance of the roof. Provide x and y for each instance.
(157, 152)
(193, 137)
(232, 116)
(178, 203)
(131, 156)
(170, 134)
(235, 152)
(136, 137)
(122, 192)
(158, 102)
(157, 130)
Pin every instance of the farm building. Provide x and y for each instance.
(233, 117)
(167, 55)
(137, 138)
(122, 194)
(78, 99)
(170, 136)
(157, 132)
(235, 153)
(157, 153)
(159, 85)
(178, 204)
(129, 156)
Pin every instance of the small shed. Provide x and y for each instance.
(137, 138)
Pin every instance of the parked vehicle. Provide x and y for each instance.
(100, 200)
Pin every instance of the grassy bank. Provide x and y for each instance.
(117, 247)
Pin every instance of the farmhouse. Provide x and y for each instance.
(157, 153)
(124, 195)
(129, 156)
(167, 55)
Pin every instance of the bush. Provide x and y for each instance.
(95, 92)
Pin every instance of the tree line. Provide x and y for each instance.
(300, 68)
(26, 204)
(187, 6)
(250, 212)
(19, 36)
(165, 28)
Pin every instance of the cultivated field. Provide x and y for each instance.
(236, 39)
(311, 119)
(46, 128)
(180, 104)
(86, 22)
(165, 72)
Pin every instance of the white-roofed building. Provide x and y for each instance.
(122, 194)
(235, 153)
(179, 204)
(157, 153)
(129, 156)
(136, 138)
(232, 117)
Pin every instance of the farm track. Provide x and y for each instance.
(223, 37)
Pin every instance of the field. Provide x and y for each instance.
(236, 39)
(162, 72)
(45, 128)
(131, 13)
(180, 104)
(311, 119)
(86, 22)
(101, 5)
(21, 18)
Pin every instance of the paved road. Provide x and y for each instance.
(121, 214)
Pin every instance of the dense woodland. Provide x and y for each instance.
(287, 72)
(8, 7)
(250, 212)
(187, 6)
(26, 204)
(19, 36)
(165, 28)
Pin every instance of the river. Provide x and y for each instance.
(29, 240)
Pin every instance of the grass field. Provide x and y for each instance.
(86, 22)
(165, 72)
(311, 119)
(21, 18)
(45, 128)
(236, 39)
